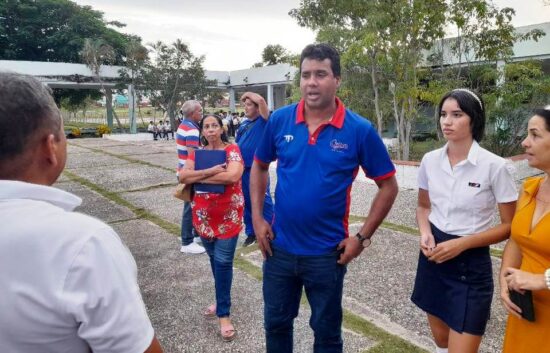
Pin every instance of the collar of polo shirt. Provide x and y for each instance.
(337, 119)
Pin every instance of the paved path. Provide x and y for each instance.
(129, 185)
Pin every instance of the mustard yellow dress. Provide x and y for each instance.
(523, 336)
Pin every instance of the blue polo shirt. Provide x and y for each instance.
(315, 174)
(249, 135)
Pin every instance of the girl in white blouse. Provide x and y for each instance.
(459, 187)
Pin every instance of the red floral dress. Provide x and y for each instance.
(220, 215)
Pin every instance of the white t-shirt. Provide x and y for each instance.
(67, 282)
(463, 198)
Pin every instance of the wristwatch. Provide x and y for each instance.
(364, 240)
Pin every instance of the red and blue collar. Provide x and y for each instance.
(337, 119)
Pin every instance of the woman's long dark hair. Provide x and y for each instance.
(203, 140)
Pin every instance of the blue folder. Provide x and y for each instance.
(205, 159)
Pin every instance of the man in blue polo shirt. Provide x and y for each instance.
(319, 146)
(248, 137)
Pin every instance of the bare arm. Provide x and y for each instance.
(188, 175)
(427, 242)
(231, 175)
(511, 258)
(154, 347)
(512, 278)
(496, 234)
(258, 183)
(381, 205)
(452, 248)
(259, 100)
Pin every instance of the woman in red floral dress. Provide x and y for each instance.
(217, 218)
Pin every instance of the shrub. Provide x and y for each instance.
(102, 129)
(75, 132)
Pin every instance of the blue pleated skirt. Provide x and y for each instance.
(458, 291)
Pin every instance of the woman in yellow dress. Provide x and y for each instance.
(526, 258)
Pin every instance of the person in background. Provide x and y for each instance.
(236, 123)
(67, 282)
(459, 187)
(168, 129)
(248, 137)
(526, 258)
(151, 129)
(160, 129)
(319, 146)
(218, 217)
(187, 140)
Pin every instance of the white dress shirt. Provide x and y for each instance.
(67, 282)
(463, 198)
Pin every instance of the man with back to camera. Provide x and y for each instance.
(68, 283)
(319, 146)
(248, 137)
(187, 138)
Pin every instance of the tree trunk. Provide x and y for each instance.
(402, 137)
(379, 120)
(407, 145)
(397, 125)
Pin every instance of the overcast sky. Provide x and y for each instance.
(231, 34)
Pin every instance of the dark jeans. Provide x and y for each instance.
(323, 279)
(221, 253)
(268, 204)
(187, 230)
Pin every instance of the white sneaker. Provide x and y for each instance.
(192, 248)
(197, 240)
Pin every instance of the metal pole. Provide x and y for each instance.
(109, 107)
(132, 109)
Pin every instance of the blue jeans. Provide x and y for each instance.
(268, 204)
(187, 230)
(221, 253)
(323, 279)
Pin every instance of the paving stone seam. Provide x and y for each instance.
(126, 158)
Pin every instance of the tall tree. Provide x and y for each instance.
(53, 30)
(172, 75)
(96, 53)
(275, 54)
(383, 43)
(386, 39)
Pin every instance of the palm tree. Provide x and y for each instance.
(94, 53)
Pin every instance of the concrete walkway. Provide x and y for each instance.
(129, 185)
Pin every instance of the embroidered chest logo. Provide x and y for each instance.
(288, 138)
(338, 146)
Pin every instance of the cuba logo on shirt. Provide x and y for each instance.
(288, 138)
(338, 146)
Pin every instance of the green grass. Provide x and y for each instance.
(400, 228)
(387, 225)
(385, 341)
(80, 125)
(419, 148)
(496, 253)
